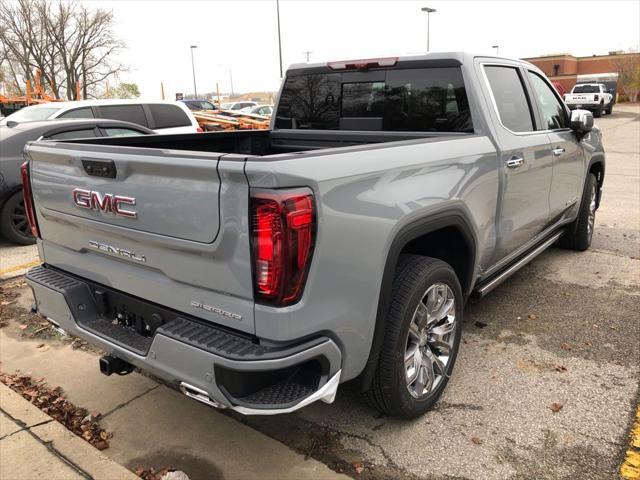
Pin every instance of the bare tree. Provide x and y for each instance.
(628, 67)
(69, 43)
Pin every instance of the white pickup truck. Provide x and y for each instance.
(590, 96)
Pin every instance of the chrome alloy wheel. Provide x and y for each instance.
(592, 213)
(430, 340)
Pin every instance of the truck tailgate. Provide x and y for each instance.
(167, 227)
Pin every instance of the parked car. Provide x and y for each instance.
(559, 88)
(265, 110)
(590, 96)
(159, 116)
(199, 105)
(13, 221)
(237, 105)
(257, 270)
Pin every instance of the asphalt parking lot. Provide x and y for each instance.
(546, 384)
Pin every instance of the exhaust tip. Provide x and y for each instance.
(199, 395)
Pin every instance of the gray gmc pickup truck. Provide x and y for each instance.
(257, 270)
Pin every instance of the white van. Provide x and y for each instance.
(160, 116)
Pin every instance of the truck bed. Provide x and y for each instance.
(262, 142)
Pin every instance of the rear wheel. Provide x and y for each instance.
(598, 112)
(610, 108)
(421, 340)
(13, 221)
(580, 233)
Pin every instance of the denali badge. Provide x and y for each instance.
(118, 251)
(107, 202)
(217, 310)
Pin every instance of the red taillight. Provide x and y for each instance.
(28, 199)
(283, 225)
(363, 64)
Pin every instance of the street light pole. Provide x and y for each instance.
(429, 12)
(497, 47)
(193, 69)
(279, 40)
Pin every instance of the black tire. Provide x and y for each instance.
(598, 113)
(390, 392)
(13, 221)
(610, 108)
(579, 233)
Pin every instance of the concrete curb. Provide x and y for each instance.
(52, 448)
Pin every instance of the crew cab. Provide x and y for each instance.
(590, 96)
(258, 270)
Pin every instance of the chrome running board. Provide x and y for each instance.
(494, 282)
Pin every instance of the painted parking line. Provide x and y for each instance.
(19, 267)
(630, 468)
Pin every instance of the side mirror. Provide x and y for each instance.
(581, 121)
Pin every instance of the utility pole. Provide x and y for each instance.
(429, 12)
(497, 47)
(279, 39)
(193, 69)
(307, 53)
(231, 80)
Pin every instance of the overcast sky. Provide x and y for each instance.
(241, 35)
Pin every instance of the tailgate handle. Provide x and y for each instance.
(100, 168)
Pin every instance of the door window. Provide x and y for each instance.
(127, 113)
(84, 112)
(121, 132)
(511, 100)
(85, 133)
(554, 115)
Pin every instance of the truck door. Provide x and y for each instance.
(567, 153)
(524, 159)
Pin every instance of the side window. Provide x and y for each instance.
(509, 93)
(168, 116)
(120, 132)
(127, 113)
(86, 133)
(84, 112)
(554, 115)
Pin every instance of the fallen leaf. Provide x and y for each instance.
(477, 440)
(566, 346)
(561, 368)
(358, 467)
(531, 316)
(101, 445)
(480, 324)
(556, 407)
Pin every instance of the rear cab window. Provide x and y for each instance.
(430, 99)
(586, 89)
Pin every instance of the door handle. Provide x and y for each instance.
(515, 162)
(558, 151)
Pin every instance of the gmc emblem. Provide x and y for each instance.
(107, 202)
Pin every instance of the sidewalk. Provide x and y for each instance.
(33, 445)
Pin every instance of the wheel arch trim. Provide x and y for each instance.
(451, 217)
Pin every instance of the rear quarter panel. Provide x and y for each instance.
(364, 197)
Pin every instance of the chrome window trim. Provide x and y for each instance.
(495, 105)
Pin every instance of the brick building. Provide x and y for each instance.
(569, 70)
